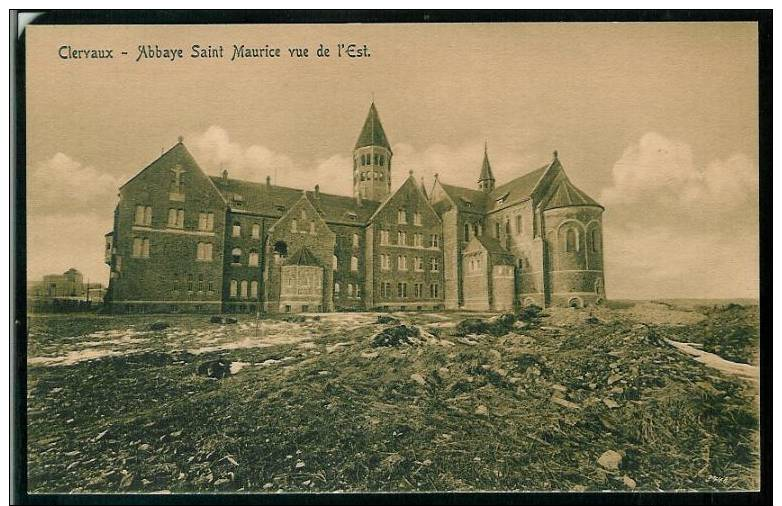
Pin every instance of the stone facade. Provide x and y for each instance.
(186, 241)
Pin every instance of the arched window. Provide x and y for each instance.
(350, 289)
(334, 262)
(355, 240)
(243, 290)
(595, 239)
(466, 231)
(354, 263)
(236, 255)
(254, 289)
(336, 288)
(253, 259)
(571, 240)
(507, 226)
(280, 250)
(233, 289)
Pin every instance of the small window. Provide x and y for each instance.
(401, 238)
(236, 255)
(354, 263)
(435, 264)
(336, 288)
(518, 223)
(571, 240)
(497, 230)
(402, 217)
(236, 230)
(253, 259)
(382, 160)
(254, 289)
(355, 240)
(401, 263)
(294, 225)
(312, 227)
(334, 262)
(243, 289)
(417, 219)
(466, 231)
(595, 240)
(256, 231)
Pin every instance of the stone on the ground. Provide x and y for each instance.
(385, 319)
(217, 369)
(629, 482)
(418, 379)
(481, 410)
(158, 326)
(610, 460)
(610, 403)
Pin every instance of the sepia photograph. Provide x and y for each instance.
(356, 257)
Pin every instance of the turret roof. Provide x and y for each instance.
(372, 134)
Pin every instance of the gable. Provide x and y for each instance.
(175, 173)
(410, 197)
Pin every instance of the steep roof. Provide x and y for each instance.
(303, 257)
(516, 189)
(565, 194)
(272, 200)
(493, 247)
(372, 134)
(466, 199)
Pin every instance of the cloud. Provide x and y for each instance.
(64, 186)
(662, 172)
(677, 228)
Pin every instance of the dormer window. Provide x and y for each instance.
(280, 208)
(352, 216)
(503, 198)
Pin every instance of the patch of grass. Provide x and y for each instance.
(341, 414)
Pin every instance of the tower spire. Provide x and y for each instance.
(486, 180)
(372, 159)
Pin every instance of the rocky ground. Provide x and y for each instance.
(567, 399)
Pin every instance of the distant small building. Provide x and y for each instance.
(66, 285)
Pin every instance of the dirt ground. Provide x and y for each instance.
(573, 400)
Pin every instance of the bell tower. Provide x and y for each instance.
(372, 160)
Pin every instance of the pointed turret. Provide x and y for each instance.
(372, 134)
(372, 160)
(486, 180)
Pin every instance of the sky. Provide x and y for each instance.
(656, 121)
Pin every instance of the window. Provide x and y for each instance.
(334, 262)
(236, 256)
(419, 290)
(401, 238)
(497, 230)
(434, 290)
(254, 289)
(384, 262)
(595, 239)
(382, 160)
(383, 237)
(236, 231)
(385, 289)
(190, 282)
(354, 263)
(401, 263)
(402, 217)
(176, 218)
(571, 240)
(466, 231)
(507, 226)
(518, 223)
(256, 231)
(233, 289)
(294, 225)
(355, 240)
(358, 292)
(143, 216)
(419, 264)
(206, 221)
(140, 247)
(204, 251)
(303, 214)
(243, 289)
(401, 290)
(418, 240)
(350, 289)
(312, 227)
(253, 259)
(417, 219)
(336, 288)
(435, 264)
(280, 251)
(210, 286)
(200, 282)
(435, 241)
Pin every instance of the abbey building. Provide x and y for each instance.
(183, 240)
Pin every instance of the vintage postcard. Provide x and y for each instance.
(391, 257)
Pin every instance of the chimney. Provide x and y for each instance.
(317, 191)
(225, 175)
(358, 198)
(268, 182)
